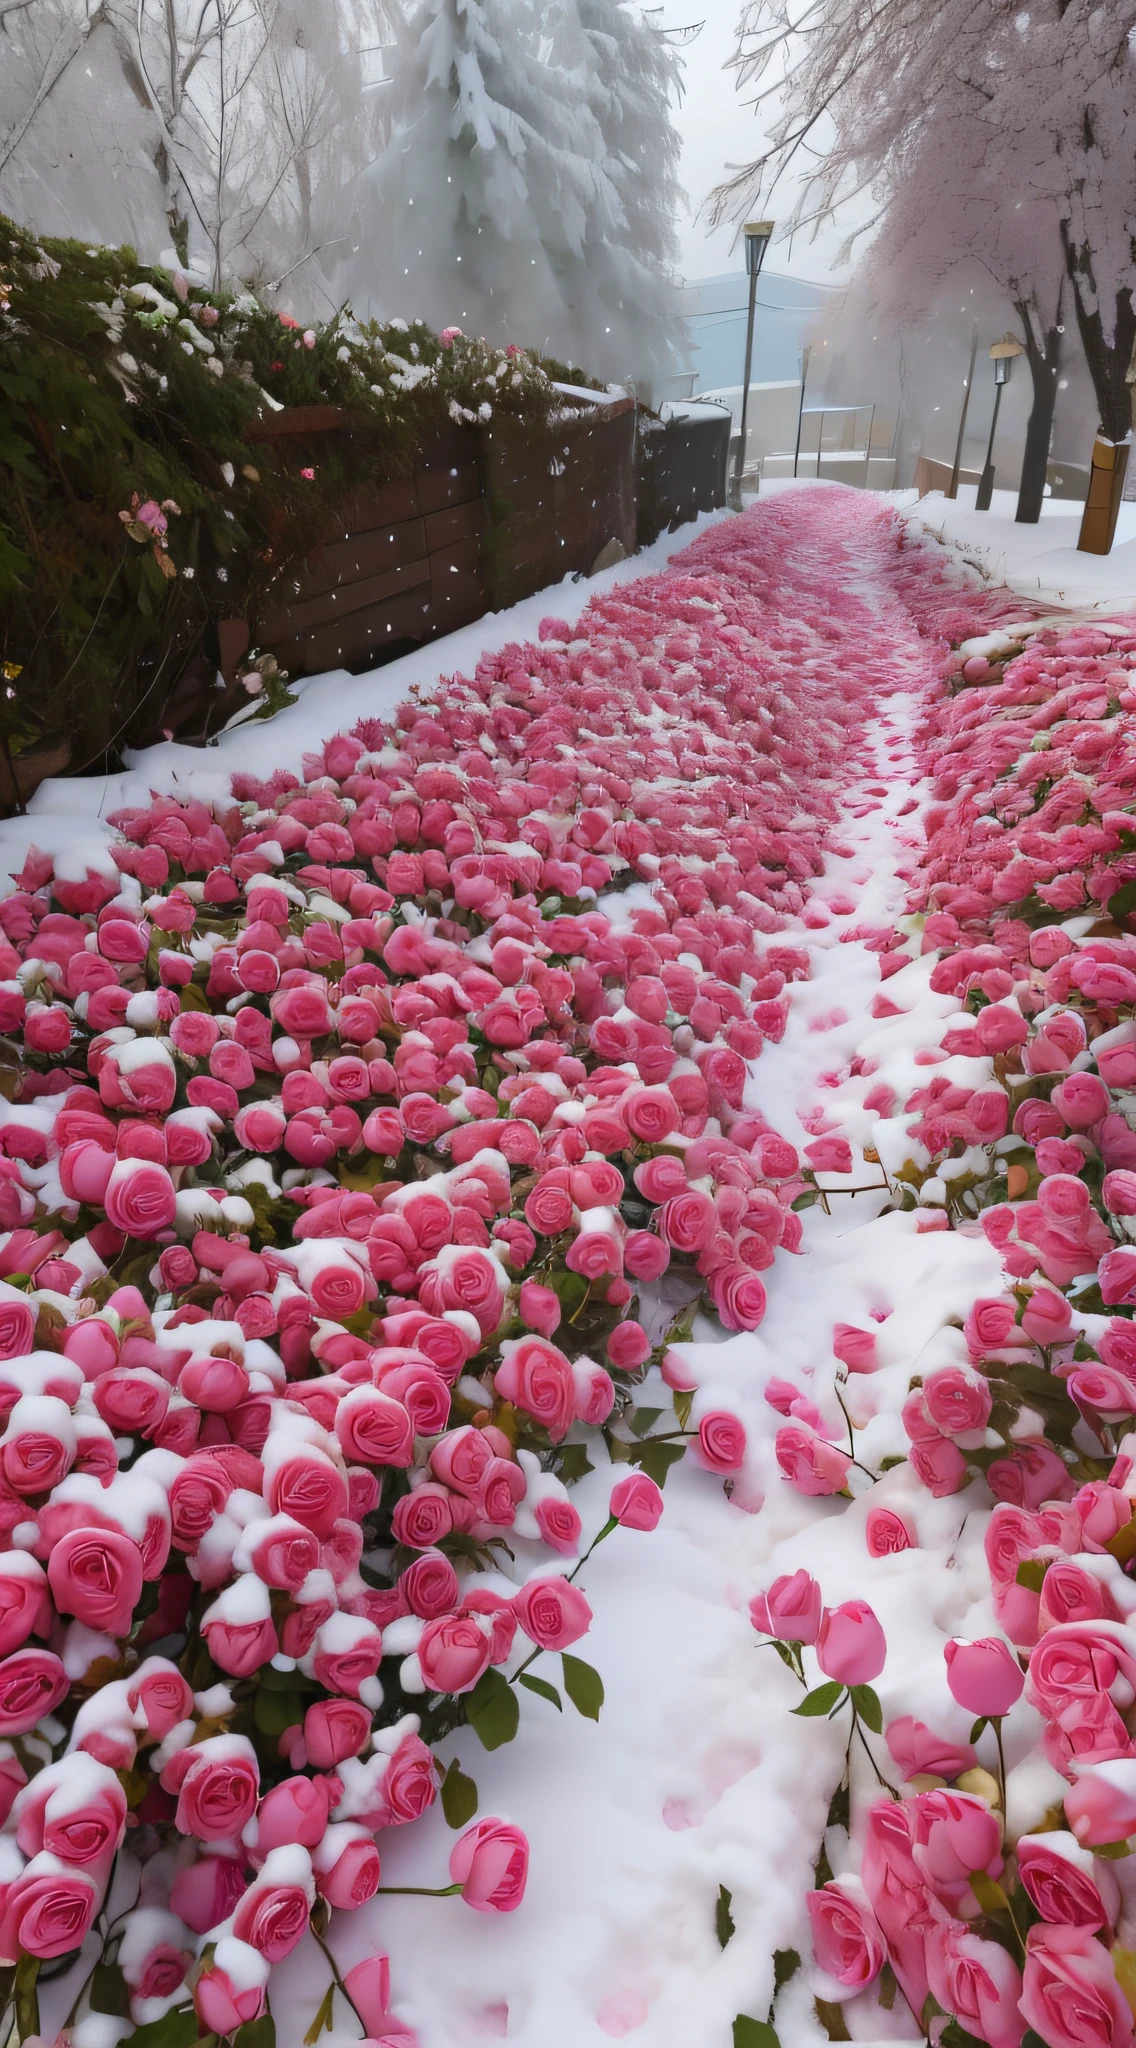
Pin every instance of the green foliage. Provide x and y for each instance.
(459, 1796)
(124, 390)
(583, 1685)
(724, 1926)
(492, 1711)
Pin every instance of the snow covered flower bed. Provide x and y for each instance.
(365, 1144)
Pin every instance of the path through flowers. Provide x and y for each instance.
(404, 1168)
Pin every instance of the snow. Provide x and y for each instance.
(1039, 561)
(697, 1775)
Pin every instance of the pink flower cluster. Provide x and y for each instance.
(1033, 755)
(357, 1119)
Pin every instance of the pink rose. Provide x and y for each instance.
(140, 1198)
(96, 1575)
(1100, 1806)
(976, 1981)
(77, 1813)
(374, 1429)
(1068, 1885)
(231, 1992)
(1079, 1660)
(205, 1894)
(463, 1277)
(855, 1348)
(809, 1463)
(163, 1695)
(272, 1917)
(553, 1613)
(334, 1730)
(1070, 1996)
(850, 1644)
(410, 1785)
(984, 1676)
(490, 1862)
(346, 1866)
(636, 1502)
(296, 1810)
(453, 1651)
(846, 1941)
(423, 1516)
(310, 1488)
(47, 1911)
(790, 1611)
(25, 1600)
(537, 1377)
(217, 1788)
(721, 1441)
(990, 1326)
(886, 1533)
(957, 1402)
(919, 1752)
(430, 1585)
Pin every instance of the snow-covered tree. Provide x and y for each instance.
(1043, 96)
(529, 177)
(235, 127)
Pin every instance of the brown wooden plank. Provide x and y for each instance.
(305, 615)
(361, 638)
(456, 522)
(363, 554)
(460, 559)
(438, 488)
(377, 503)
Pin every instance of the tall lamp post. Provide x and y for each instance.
(1002, 354)
(757, 234)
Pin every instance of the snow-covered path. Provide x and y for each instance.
(696, 1776)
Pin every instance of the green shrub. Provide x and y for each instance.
(135, 515)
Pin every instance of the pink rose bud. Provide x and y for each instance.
(850, 1644)
(790, 1610)
(231, 1993)
(722, 1441)
(920, 1753)
(346, 1866)
(539, 1307)
(886, 1533)
(855, 1348)
(846, 1940)
(490, 1862)
(1068, 1885)
(552, 1613)
(984, 1676)
(1101, 1806)
(636, 1502)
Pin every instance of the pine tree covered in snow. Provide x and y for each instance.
(529, 183)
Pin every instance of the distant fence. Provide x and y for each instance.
(489, 516)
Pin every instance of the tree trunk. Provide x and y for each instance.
(1044, 360)
(1108, 367)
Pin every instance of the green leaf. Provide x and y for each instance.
(786, 1963)
(754, 2033)
(644, 1419)
(322, 2019)
(259, 2033)
(988, 1892)
(784, 1652)
(977, 1728)
(820, 1699)
(459, 1796)
(682, 1402)
(1031, 1573)
(177, 2030)
(658, 1458)
(889, 1985)
(868, 1708)
(274, 1711)
(839, 1808)
(584, 1687)
(954, 2035)
(723, 1918)
(541, 1686)
(110, 1991)
(574, 1463)
(492, 1710)
(27, 1999)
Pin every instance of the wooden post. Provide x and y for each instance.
(953, 486)
(1106, 489)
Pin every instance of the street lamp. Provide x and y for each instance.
(1002, 354)
(757, 234)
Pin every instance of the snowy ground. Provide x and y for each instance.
(1039, 561)
(697, 1776)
